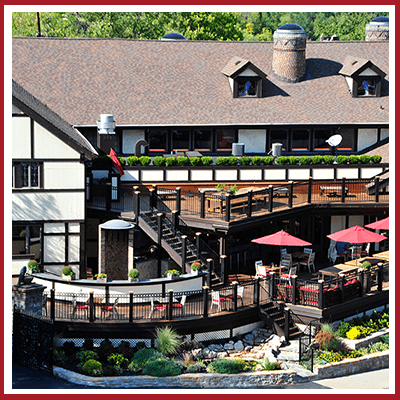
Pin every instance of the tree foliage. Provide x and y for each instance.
(254, 26)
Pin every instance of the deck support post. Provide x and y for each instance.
(170, 301)
(271, 285)
(310, 181)
(174, 218)
(202, 204)
(205, 301)
(227, 207)
(287, 323)
(130, 306)
(209, 271)
(249, 203)
(178, 200)
(270, 198)
(91, 307)
(224, 267)
(52, 305)
(377, 189)
(159, 239)
(256, 297)
(198, 234)
(341, 284)
(151, 198)
(361, 277)
(136, 206)
(343, 189)
(108, 196)
(290, 201)
(380, 277)
(184, 249)
(234, 295)
(321, 294)
(294, 289)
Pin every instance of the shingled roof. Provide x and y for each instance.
(36, 109)
(150, 83)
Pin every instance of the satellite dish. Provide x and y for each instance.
(334, 140)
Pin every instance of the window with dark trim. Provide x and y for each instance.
(320, 138)
(279, 136)
(247, 86)
(180, 140)
(347, 142)
(157, 139)
(202, 139)
(366, 86)
(26, 239)
(300, 139)
(224, 139)
(27, 175)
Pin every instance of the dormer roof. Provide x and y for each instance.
(237, 66)
(353, 66)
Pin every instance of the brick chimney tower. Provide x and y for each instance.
(377, 30)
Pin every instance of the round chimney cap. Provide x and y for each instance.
(117, 224)
(381, 20)
(291, 28)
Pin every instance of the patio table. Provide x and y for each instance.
(337, 270)
(384, 255)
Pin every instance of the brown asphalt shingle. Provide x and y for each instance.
(145, 83)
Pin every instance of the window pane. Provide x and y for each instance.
(279, 136)
(225, 138)
(300, 139)
(366, 87)
(18, 239)
(202, 139)
(247, 86)
(24, 175)
(347, 139)
(180, 140)
(157, 140)
(320, 137)
(34, 174)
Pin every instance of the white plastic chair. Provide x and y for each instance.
(110, 309)
(292, 271)
(309, 263)
(217, 300)
(356, 252)
(261, 271)
(180, 305)
(365, 252)
(240, 290)
(155, 307)
(307, 250)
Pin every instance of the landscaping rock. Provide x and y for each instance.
(239, 346)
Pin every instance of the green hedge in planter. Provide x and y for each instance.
(281, 160)
(144, 160)
(376, 159)
(342, 159)
(206, 160)
(133, 160)
(232, 160)
(182, 161)
(159, 161)
(365, 159)
(268, 160)
(195, 161)
(305, 160)
(256, 160)
(170, 161)
(353, 159)
(316, 159)
(222, 161)
(293, 160)
(329, 159)
(244, 160)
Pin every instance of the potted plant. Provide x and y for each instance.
(195, 267)
(33, 267)
(101, 277)
(366, 268)
(133, 275)
(67, 273)
(172, 274)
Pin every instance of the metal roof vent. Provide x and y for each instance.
(377, 30)
(117, 224)
(106, 125)
(173, 36)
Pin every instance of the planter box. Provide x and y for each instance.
(101, 280)
(68, 277)
(172, 276)
(133, 279)
(195, 272)
(365, 341)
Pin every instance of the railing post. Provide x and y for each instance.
(170, 301)
(205, 301)
(294, 289)
(136, 206)
(361, 277)
(130, 306)
(91, 307)
(198, 234)
(271, 285)
(155, 188)
(310, 181)
(151, 198)
(320, 294)
(256, 294)
(174, 218)
(290, 201)
(52, 305)
(380, 276)
(377, 189)
(159, 241)
(108, 195)
(343, 189)
(178, 200)
(224, 267)
(234, 296)
(184, 249)
(227, 207)
(202, 204)
(209, 272)
(249, 203)
(270, 198)
(287, 323)
(341, 289)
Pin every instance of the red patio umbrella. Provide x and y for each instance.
(281, 238)
(381, 224)
(356, 234)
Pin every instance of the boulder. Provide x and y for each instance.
(238, 346)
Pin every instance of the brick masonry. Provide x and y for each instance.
(28, 298)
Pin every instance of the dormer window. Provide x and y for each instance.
(363, 77)
(245, 78)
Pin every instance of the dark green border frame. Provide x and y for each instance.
(7, 181)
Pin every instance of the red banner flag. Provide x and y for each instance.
(116, 162)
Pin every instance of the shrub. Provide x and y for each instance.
(197, 367)
(33, 266)
(365, 159)
(84, 355)
(256, 160)
(329, 159)
(206, 160)
(133, 273)
(170, 161)
(327, 341)
(182, 161)
(330, 356)
(122, 160)
(67, 270)
(232, 160)
(105, 349)
(195, 266)
(167, 340)
(376, 159)
(118, 359)
(159, 161)
(305, 160)
(385, 338)
(244, 160)
(102, 161)
(144, 160)
(342, 159)
(222, 366)
(354, 333)
(268, 160)
(112, 370)
(344, 327)
(293, 160)
(195, 161)
(92, 367)
(59, 357)
(267, 365)
(140, 345)
(316, 159)
(162, 367)
(133, 160)
(281, 160)
(142, 357)
(353, 159)
(222, 161)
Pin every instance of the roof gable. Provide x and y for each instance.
(353, 66)
(237, 66)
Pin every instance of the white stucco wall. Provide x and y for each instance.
(226, 175)
(73, 248)
(48, 206)
(21, 137)
(254, 140)
(177, 175)
(49, 146)
(129, 139)
(250, 174)
(201, 175)
(54, 249)
(72, 173)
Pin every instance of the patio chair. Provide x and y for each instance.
(261, 271)
(156, 307)
(217, 300)
(283, 251)
(181, 305)
(110, 309)
(292, 271)
(365, 252)
(309, 263)
(288, 257)
(79, 307)
(307, 250)
(286, 264)
(240, 290)
(356, 252)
